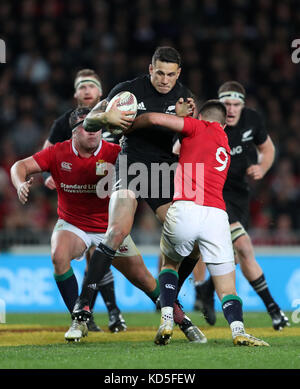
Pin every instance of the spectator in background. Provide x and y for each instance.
(42, 64)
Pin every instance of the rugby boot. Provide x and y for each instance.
(77, 331)
(244, 339)
(164, 333)
(92, 326)
(81, 310)
(192, 332)
(279, 319)
(116, 321)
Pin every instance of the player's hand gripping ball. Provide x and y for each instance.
(127, 102)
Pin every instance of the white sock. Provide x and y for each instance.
(167, 314)
(237, 328)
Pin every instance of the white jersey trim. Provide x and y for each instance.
(95, 153)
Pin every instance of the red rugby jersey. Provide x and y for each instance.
(203, 163)
(76, 179)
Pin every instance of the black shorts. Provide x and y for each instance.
(237, 207)
(151, 181)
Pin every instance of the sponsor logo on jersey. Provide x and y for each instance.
(123, 249)
(78, 188)
(141, 106)
(236, 150)
(67, 166)
(247, 135)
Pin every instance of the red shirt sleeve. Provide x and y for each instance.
(43, 158)
(189, 126)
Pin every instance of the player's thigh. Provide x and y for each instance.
(65, 246)
(214, 237)
(129, 262)
(122, 207)
(179, 231)
(135, 270)
(161, 212)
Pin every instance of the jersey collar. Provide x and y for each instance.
(95, 153)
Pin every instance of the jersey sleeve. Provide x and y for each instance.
(44, 158)
(260, 135)
(60, 130)
(122, 86)
(189, 127)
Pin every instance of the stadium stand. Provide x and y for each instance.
(246, 40)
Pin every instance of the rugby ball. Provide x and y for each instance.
(127, 102)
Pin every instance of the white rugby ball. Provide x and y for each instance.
(127, 102)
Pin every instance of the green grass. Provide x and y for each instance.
(117, 352)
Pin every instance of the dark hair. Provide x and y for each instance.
(213, 110)
(166, 54)
(232, 86)
(78, 113)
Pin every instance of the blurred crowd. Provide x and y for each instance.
(247, 40)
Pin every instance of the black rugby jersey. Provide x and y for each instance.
(153, 144)
(60, 129)
(249, 132)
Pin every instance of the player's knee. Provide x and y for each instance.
(116, 233)
(244, 249)
(61, 262)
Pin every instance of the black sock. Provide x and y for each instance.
(98, 266)
(261, 288)
(108, 294)
(232, 308)
(209, 284)
(168, 281)
(185, 269)
(68, 288)
(94, 297)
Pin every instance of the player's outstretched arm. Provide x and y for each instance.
(48, 179)
(97, 119)
(171, 122)
(19, 173)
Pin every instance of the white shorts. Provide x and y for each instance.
(127, 248)
(188, 223)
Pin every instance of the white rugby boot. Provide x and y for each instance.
(77, 331)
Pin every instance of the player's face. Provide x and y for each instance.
(86, 141)
(163, 75)
(234, 109)
(87, 94)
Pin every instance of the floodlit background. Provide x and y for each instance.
(48, 41)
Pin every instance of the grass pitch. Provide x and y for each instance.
(36, 341)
